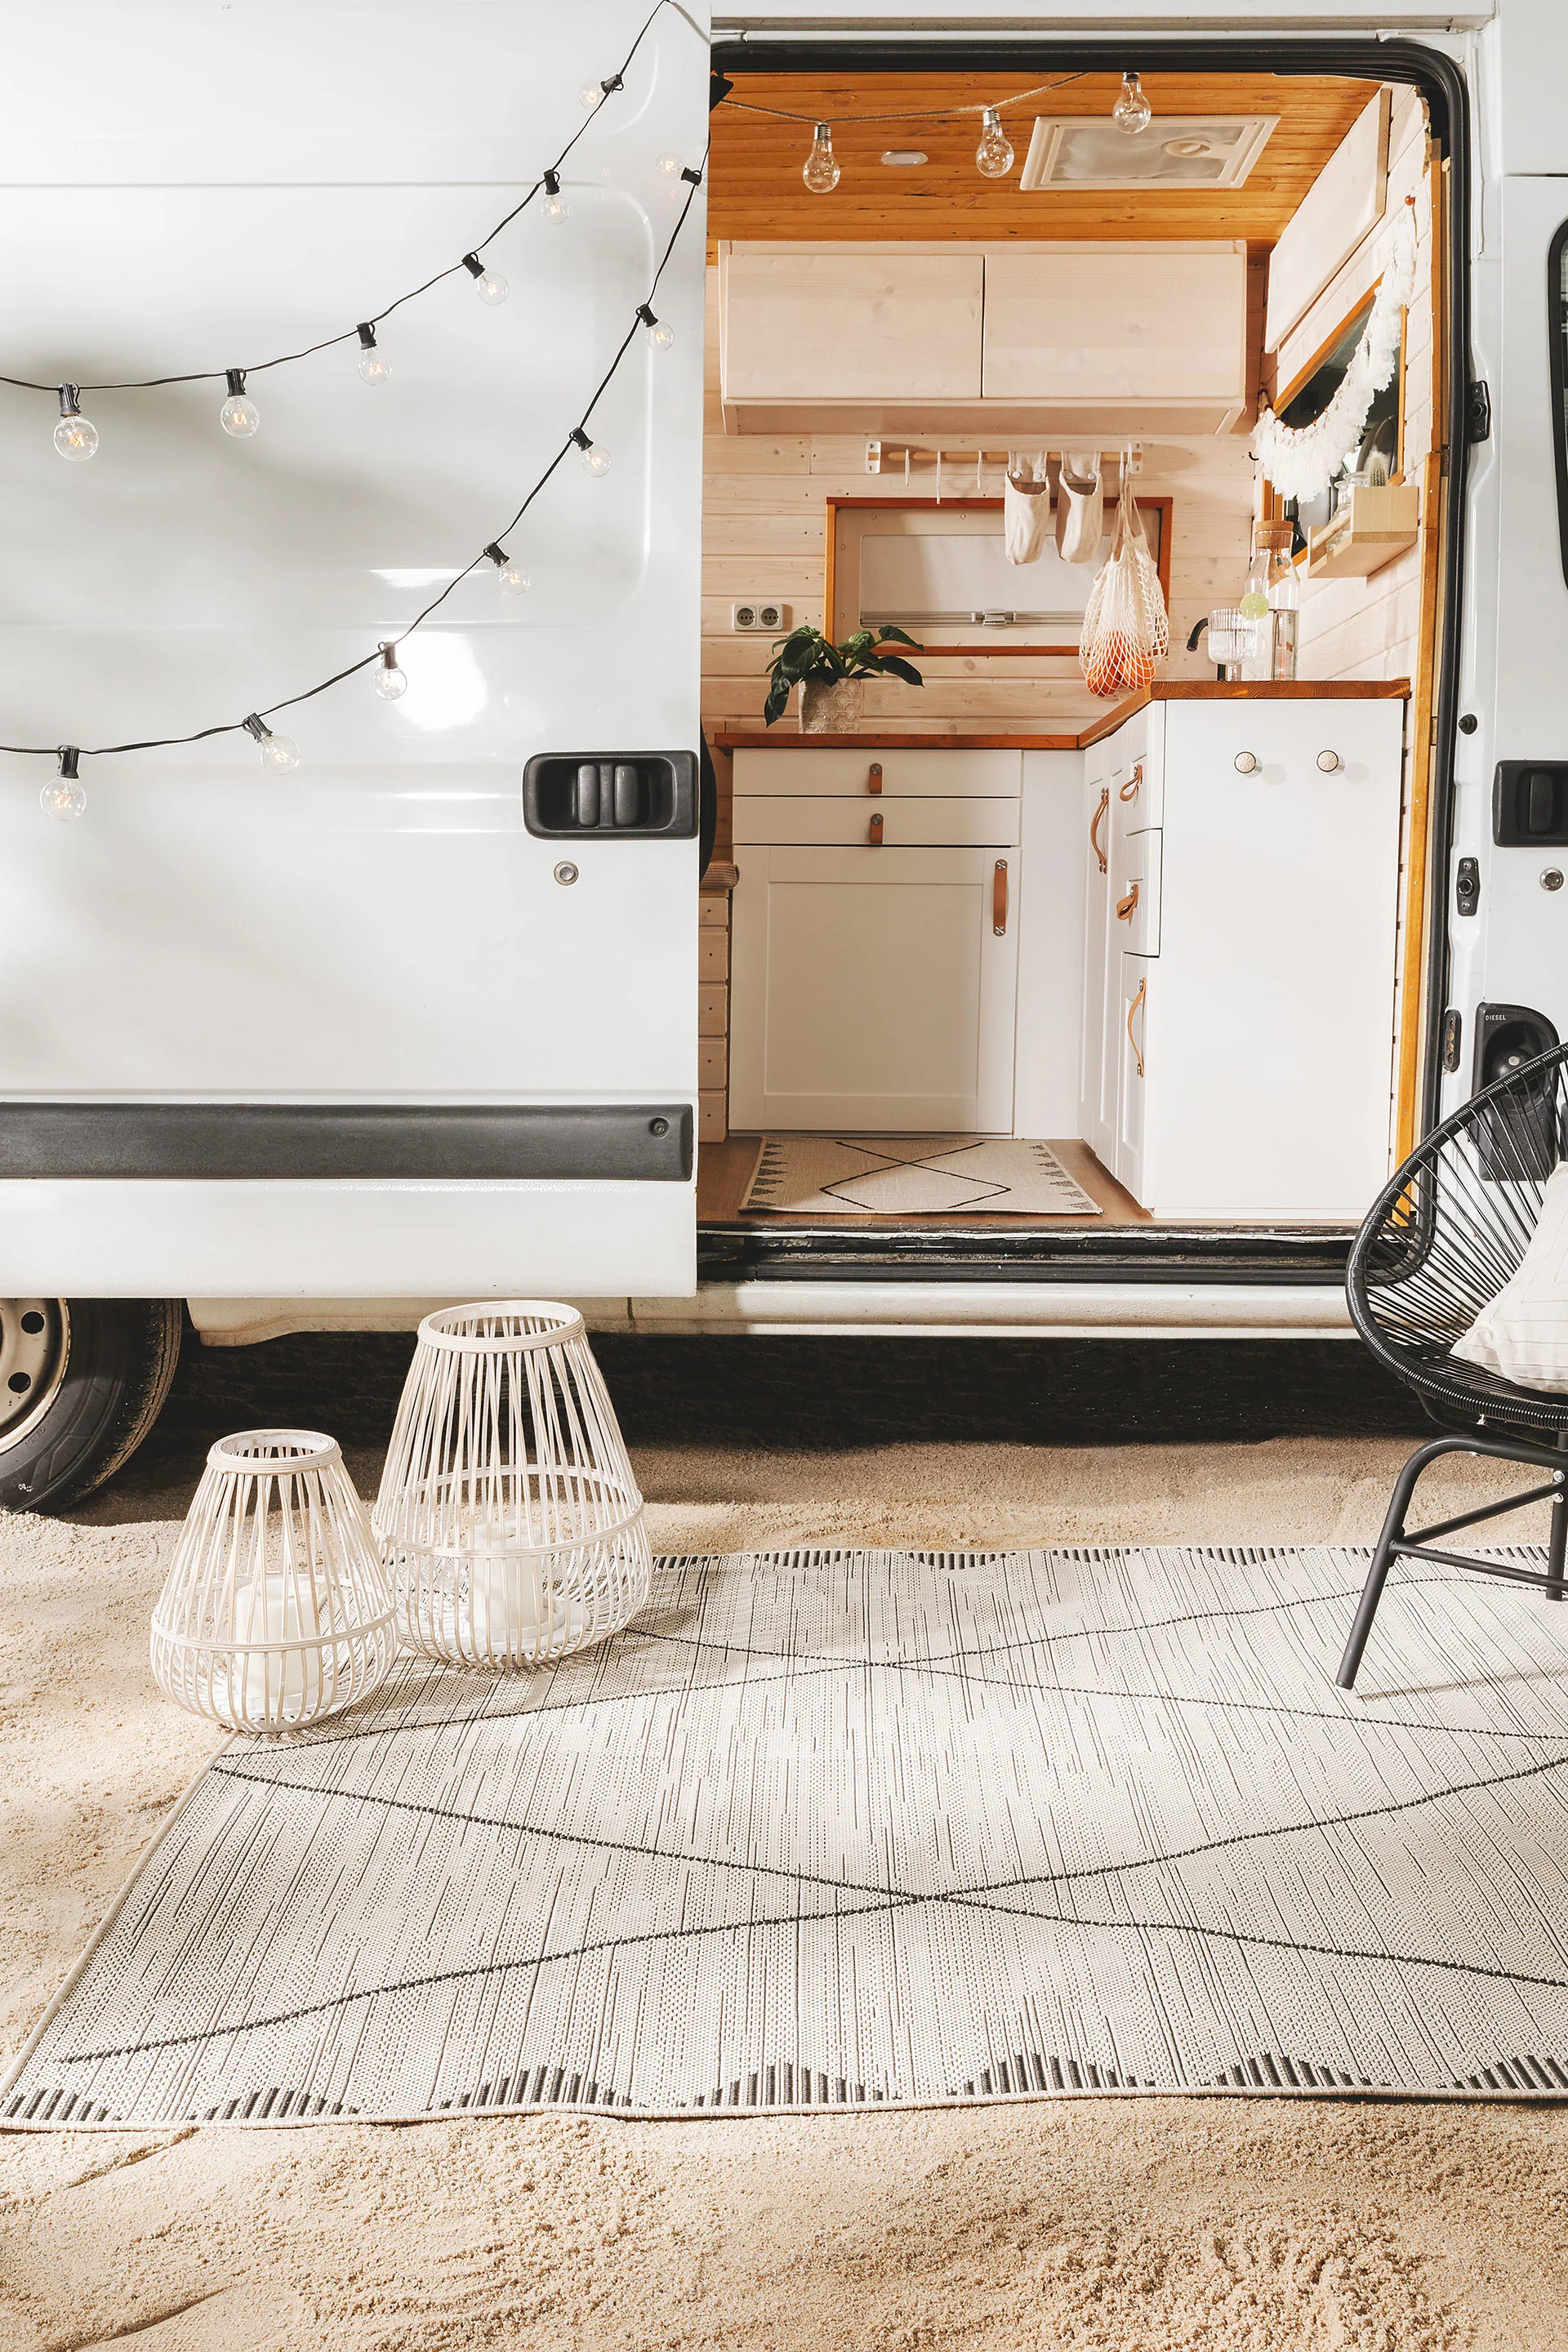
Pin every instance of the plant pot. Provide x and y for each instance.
(831, 706)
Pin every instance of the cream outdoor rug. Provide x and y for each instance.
(832, 1827)
(912, 1175)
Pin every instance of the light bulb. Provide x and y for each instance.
(488, 284)
(75, 438)
(555, 205)
(372, 368)
(238, 416)
(820, 170)
(657, 333)
(994, 156)
(512, 580)
(65, 795)
(390, 681)
(669, 167)
(279, 753)
(592, 95)
(596, 460)
(1131, 111)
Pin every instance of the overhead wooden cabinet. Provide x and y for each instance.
(816, 325)
(1125, 338)
(1104, 338)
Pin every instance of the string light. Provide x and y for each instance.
(510, 577)
(555, 205)
(65, 795)
(593, 93)
(669, 167)
(74, 438)
(279, 753)
(1131, 111)
(372, 366)
(238, 416)
(390, 681)
(595, 456)
(659, 334)
(994, 156)
(820, 170)
(488, 284)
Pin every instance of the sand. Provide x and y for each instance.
(1231, 2225)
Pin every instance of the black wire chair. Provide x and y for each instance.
(1437, 1247)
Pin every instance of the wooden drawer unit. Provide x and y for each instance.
(887, 822)
(875, 772)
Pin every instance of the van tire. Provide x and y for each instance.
(103, 1367)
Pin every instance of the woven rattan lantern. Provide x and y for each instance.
(508, 1511)
(277, 1609)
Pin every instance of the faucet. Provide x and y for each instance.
(1199, 626)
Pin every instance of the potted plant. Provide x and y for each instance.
(832, 678)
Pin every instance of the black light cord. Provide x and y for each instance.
(578, 438)
(610, 85)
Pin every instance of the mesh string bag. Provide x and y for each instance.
(1125, 631)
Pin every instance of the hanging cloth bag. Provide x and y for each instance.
(1125, 630)
(1080, 507)
(1026, 507)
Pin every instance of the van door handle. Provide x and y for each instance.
(1125, 908)
(999, 899)
(1094, 824)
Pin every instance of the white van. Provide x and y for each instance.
(1003, 1005)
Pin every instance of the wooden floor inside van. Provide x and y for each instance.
(725, 1170)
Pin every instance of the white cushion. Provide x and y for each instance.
(1523, 1333)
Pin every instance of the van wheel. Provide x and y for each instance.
(81, 1382)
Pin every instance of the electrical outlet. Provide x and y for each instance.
(760, 612)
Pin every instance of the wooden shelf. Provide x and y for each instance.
(1376, 524)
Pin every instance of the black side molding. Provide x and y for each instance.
(627, 1143)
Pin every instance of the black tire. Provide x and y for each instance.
(101, 1368)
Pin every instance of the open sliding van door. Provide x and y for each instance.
(416, 1016)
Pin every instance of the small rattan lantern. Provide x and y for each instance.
(508, 1512)
(277, 1609)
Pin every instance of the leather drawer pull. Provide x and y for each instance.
(1131, 1015)
(999, 899)
(1125, 906)
(1130, 789)
(874, 830)
(874, 777)
(1094, 824)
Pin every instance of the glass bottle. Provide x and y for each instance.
(1257, 663)
(1284, 592)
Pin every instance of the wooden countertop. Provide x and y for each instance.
(780, 739)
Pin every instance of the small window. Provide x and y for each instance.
(1557, 335)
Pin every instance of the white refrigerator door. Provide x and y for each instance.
(351, 1030)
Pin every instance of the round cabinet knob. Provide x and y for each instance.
(1247, 763)
(1328, 761)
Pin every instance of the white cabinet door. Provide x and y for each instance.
(1096, 1111)
(874, 990)
(880, 824)
(1108, 332)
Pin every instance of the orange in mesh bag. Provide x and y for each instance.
(1125, 631)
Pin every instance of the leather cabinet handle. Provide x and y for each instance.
(1131, 1015)
(1130, 789)
(874, 830)
(1125, 906)
(874, 777)
(999, 899)
(1094, 824)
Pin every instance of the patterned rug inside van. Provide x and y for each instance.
(842, 1828)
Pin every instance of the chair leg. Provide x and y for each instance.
(1392, 1532)
(1557, 1541)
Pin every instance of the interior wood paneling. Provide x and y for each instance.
(756, 188)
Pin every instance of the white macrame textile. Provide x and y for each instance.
(1301, 461)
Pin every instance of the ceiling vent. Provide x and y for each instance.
(1175, 151)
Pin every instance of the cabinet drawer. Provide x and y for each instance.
(1138, 788)
(886, 823)
(1135, 895)
(853, 774)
